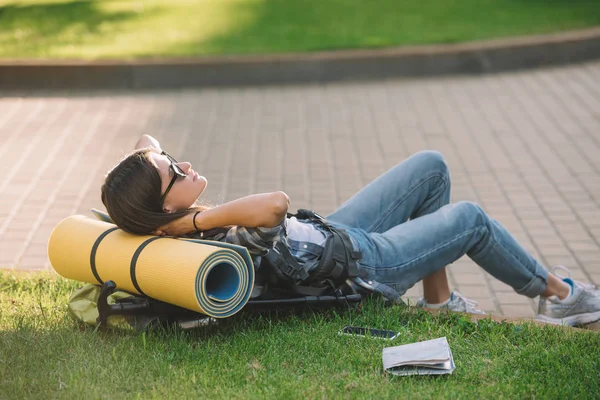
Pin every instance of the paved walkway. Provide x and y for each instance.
(526, 146)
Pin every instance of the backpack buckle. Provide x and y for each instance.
(297, 275)
(286, 265)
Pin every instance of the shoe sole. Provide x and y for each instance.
(573, 320)
(445, 309)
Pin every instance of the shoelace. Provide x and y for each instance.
(587, 286)
(470, 303)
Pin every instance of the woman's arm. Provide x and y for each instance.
(266, 209)
(260, 210)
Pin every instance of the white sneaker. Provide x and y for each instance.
(581, 307)
(588, 286)
(456, 303)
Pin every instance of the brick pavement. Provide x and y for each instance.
(526, 146)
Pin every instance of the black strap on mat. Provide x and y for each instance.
(134, 259)
(95, 249)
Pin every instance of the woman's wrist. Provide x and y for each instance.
(194, 219)
(192, 222)
(198, 221)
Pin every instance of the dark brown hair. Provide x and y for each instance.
(131, 194)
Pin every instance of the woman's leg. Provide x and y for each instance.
(436, 289)
(409, 252)
(556, 287)
(418, 186)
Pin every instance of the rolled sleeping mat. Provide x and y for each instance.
(209, 277)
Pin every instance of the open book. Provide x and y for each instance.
(431, 357)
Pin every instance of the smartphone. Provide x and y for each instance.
(376, 333)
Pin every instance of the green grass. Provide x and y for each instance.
(146, 28)
(45, 354)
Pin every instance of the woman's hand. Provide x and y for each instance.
(178, 227)
(147, 141)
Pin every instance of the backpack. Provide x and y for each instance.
(333, 271)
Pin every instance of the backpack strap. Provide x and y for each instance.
(285, 263)
(339, 259)
(337, 263)
(289, 272)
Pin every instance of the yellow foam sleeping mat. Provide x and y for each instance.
(209, 277)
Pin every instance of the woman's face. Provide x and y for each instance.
(185, 191)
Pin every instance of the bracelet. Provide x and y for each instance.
(194, 221)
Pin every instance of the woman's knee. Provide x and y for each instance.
(433, 160)
(472, 211)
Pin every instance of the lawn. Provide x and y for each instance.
(45, 354)
(155, 28)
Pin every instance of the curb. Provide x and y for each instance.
(318, 67)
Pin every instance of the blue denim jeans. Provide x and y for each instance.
(406, 229)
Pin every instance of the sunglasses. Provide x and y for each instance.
(177, 172)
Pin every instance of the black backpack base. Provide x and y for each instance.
(153, 313)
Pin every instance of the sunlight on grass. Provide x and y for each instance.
(86, 29)
(154, 28)
(161, 28)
